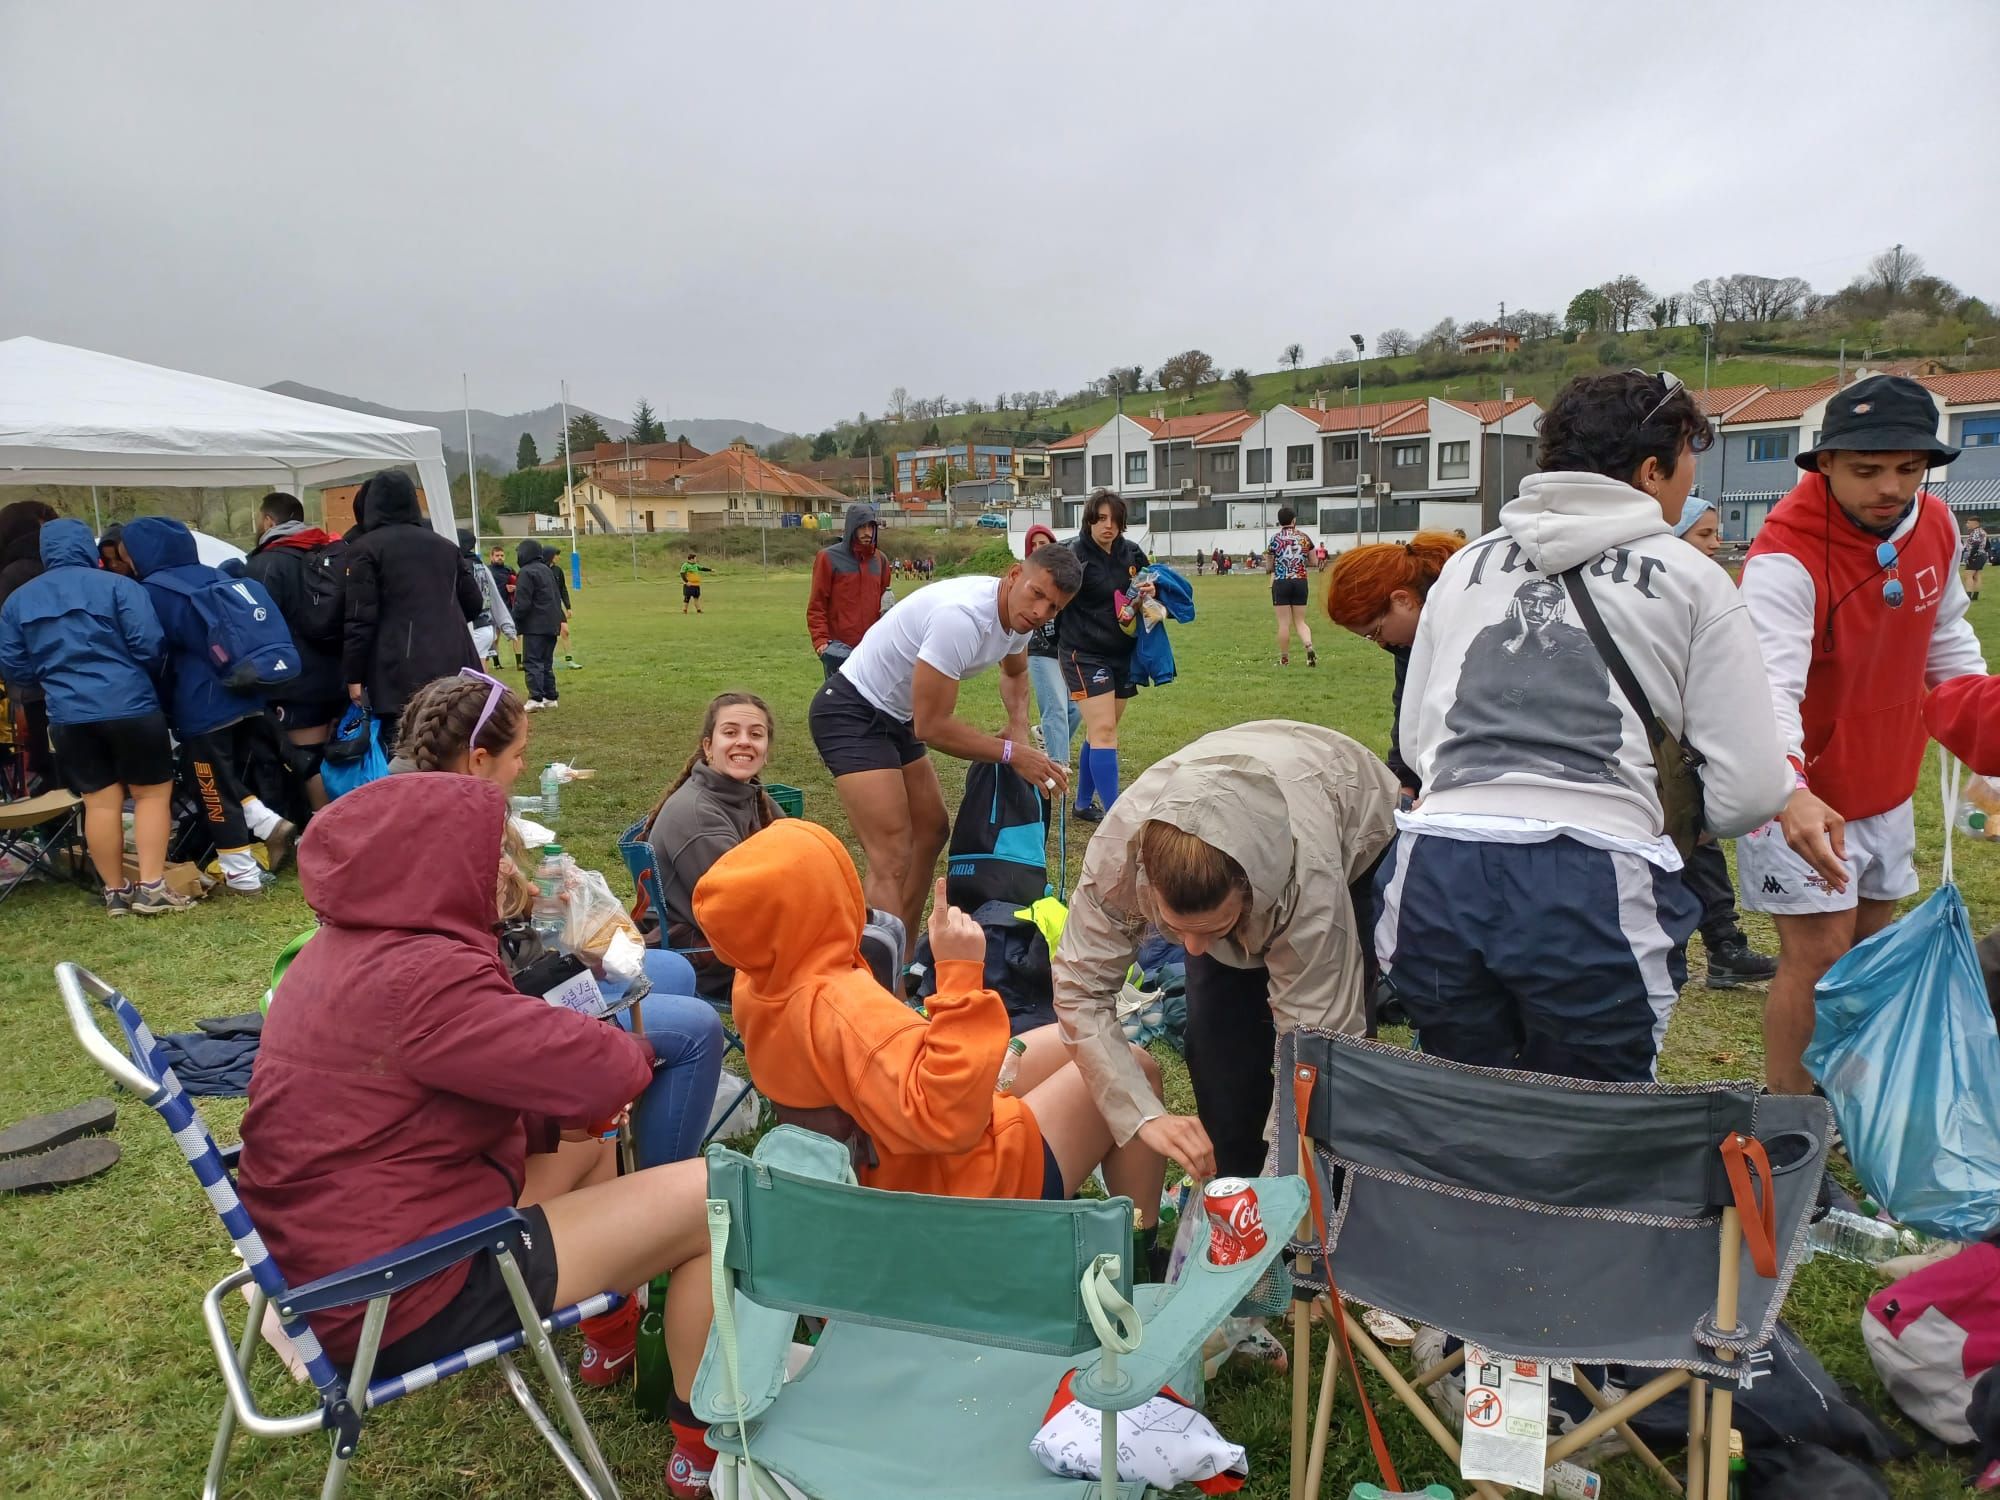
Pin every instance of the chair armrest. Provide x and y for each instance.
(763, 1343)
(229, 1155)
(502, 1229)
(1205, 1295)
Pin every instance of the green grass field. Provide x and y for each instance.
(106, 1383)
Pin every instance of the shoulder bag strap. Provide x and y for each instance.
(1614, 659)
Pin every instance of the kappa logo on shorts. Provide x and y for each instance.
(1774, 886)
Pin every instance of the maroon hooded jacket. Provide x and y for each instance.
(398, 1060)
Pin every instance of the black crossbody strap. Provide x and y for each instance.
(1614, 659)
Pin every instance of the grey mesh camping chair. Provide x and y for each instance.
(1548, 1219)
(950, 1323)
(346, 1397)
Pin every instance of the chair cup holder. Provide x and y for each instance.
(1789, 1150)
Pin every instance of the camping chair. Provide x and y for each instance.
(345, 1397)
(934, 1383)
(1547, 1219)
(34, 829)
(638, 857)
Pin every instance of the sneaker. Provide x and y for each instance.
(118, 901)
(1387, 1329)
(1035, 734)
(1090, 814)
(280, 843)
(155, 899)
(1447, 1393)
(1284, 661)
(532, 705)
(685, 1479)
(1733, 964)
(610, 1345)
(1312, 657)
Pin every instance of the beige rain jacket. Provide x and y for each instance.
(1304, 811)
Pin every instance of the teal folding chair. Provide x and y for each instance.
(950, 1323)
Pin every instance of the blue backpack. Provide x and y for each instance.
(249, 644)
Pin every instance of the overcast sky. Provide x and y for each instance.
(778, 211)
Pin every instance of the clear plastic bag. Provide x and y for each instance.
(595, 915)
(1905, 1048)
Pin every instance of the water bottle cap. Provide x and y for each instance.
(1975, 820)
(551, 851)
(1016, 1046)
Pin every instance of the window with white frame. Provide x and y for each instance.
(1454, 460)
(1767, 447)
(1256, 465)
(1135, 467)
(1299, 462)
(1407, 456)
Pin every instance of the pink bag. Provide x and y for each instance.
(1934, 1333)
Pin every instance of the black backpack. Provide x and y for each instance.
(999, 841)
(1017, 966)
(323, 594)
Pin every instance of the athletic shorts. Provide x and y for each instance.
(690, 592)
(1052, 1177)
(852, 734)
(1881, 861)
(1294, 591)
(482, 1309)
(1094, 676)
(113, 752)
(1975, 561)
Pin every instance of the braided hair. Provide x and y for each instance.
(439, 719)
(767, 810)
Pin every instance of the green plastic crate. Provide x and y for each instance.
(791, 801)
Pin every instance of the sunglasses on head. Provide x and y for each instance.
(492, 701)
(1670, 383)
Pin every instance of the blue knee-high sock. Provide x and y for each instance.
(1107, 776)
(1086, 784)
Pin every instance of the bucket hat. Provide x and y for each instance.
(1882, 414)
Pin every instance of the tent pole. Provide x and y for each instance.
(471, 464)
(569, 478)
(96, 514)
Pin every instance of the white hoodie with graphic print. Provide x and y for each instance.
(1509, 711)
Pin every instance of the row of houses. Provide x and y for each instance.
(677, 487)
(1759, 433)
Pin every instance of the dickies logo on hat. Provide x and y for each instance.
(1862, 408)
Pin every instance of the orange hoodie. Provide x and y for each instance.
(784, 909)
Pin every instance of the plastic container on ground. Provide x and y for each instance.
(791, 801)
(1978, 812)
(1846, 1235)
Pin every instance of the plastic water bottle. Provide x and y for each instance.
(551, 792)
(656, 1374)
(1846, 1235)
(1010, 1066)
(549, 919)
(1978, 811)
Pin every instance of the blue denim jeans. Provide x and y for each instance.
(1060, 717)
(671, 1116)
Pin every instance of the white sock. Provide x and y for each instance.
(260, 818)
(240, 869)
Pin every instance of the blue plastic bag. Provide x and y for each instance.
(353, 755)
(1905, 1048)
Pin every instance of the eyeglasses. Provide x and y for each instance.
(1666, 378)
(1892, 586)
(492, 701)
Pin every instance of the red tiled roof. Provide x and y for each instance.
(1228, 432)
(1151, 423)
(1372, 414)
(1964, 388)
(1195, 425)
(1720, 400)
(1492, 411)
(738, 470)
(1074, 440)
(1412, 423)
(1779, 406)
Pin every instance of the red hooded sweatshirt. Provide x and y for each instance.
(849, 579)
(1862, 710)
(1963, 715)
(399, 1062)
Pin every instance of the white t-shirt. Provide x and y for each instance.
(953, 626)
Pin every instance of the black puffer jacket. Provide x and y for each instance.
(537, 606)
(1089, 622)
(410, 599)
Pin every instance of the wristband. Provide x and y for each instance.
(1006, 752)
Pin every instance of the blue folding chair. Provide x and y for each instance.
(638, 856)
(344, 1400)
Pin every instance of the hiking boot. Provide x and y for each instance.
(1734, 963)
(610, 1345)
(280, 843)
(152, 899)
(118, 901)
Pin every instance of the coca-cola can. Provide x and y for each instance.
(1235, 1224)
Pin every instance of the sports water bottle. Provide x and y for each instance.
(1010, 1066)
(549, 919)
(656, 1374)
(551, 792)
(1846, 1235)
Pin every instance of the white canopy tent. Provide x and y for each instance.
(71, 416)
